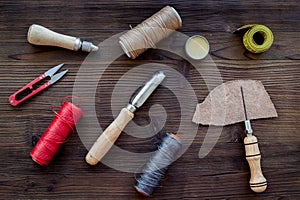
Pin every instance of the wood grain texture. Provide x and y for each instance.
(223, 174)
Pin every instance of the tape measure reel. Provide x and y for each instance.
(257, 38)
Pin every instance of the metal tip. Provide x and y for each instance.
(148, 88)
(159, 76)
(58, 76)
(94, 47)
(88, 46)
(53, 70)
(244, 104)
(248, 130)
(60, 65)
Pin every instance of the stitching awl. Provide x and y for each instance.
(258, 182)
(40, 35)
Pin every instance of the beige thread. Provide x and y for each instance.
(150, 32)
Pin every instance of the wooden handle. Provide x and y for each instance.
(258, 182)
(108, 137)
(40, 35)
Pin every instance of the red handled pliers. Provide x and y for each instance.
(30, 89)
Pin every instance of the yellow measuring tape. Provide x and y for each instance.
(258, 38)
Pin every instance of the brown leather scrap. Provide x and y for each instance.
(224, 104)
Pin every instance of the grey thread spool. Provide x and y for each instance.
(158, 164)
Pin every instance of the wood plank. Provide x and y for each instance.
(223, 173)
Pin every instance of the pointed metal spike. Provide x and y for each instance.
(244, 104)
(94, 47)
(58, 76)
(247, 121)
(53, 70)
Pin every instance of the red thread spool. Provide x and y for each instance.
(56, 133)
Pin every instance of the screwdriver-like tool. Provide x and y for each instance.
(258, 182)
(112, 132)
(40, 35)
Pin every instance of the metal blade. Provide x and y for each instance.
(56, 77)
(148, 88)
(53, 70)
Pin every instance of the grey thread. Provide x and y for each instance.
(158, 164)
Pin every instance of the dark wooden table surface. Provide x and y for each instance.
(223, 173)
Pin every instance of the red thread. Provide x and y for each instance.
(56, 134)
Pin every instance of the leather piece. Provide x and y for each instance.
(224, 105)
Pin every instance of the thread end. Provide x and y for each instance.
(176, 137)
(37, 159)
(141, 191)
(124, 49)
(177, 15)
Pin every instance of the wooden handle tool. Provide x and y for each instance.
(40, 35)
(108, 137)
(258, 182)
(106, 140)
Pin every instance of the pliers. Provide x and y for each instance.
(30, 89)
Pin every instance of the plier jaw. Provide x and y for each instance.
(29, 90)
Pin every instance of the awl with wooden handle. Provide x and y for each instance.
(258, 182)
(40, 35)
(112, 132)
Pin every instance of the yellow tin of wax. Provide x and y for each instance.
(197, 47)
